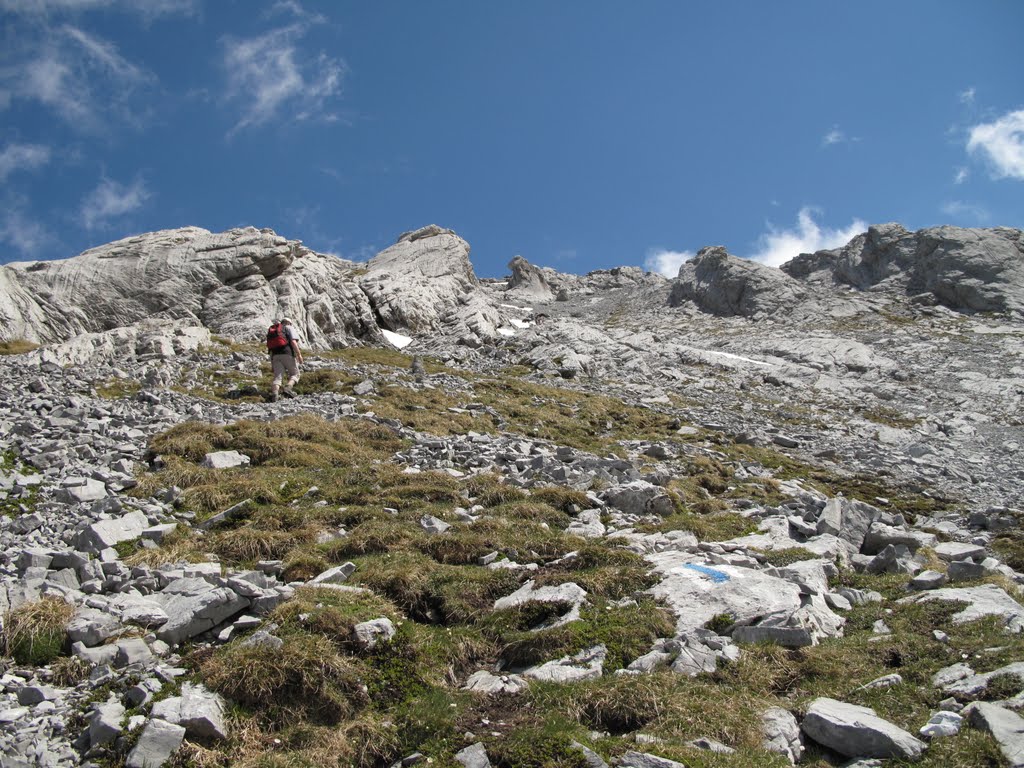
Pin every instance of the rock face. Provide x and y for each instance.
(973, 269)
(233, 283)
(236, 282)
(723, 284)
(425, 282)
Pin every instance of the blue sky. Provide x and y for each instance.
(580, 135)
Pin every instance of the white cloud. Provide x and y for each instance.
(777, 246)
(966, 213)
(111, 199)
(666, 262)
(270, 76)
(79, 76)
(17, 156)
(835, 136)
(961, 175)
(967, 97)
(1002, 142)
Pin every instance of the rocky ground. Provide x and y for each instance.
(740, 541)
(738, 518)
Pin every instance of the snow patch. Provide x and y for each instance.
(520, 323)
(397, 340)
(731, 356)
(506, 332)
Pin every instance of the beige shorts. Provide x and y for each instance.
(284, 364)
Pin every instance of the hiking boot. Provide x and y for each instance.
(288, 392)
(273, 397)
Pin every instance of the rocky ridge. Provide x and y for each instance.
(74, 456)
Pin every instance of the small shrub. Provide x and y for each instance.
(720, 623)
(1003, 687)
(783, 557)
(35, 633)
(69, 671)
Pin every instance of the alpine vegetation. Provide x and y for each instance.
(743, 516)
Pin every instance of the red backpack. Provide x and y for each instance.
(276, 338)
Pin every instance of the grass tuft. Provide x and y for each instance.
(36, 633)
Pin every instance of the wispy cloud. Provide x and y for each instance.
(22, 233)
(1002, 144)
(777, 246)
(967, 96)
(961, 175)
(16, 157)
(666, 262)
(296, 9)
(111, 199)
(962, 212)
(81, 77)
(270, 76)
(145, 8)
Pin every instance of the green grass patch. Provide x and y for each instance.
(783, 557)
(712, 526)
(627, 633)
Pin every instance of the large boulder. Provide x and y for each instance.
(722, 284)
(425, 282)
(528, 282)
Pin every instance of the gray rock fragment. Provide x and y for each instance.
(643, 760)
(1007, 727)
(856, 731)
(782, 733)
(159, 740)
(200, 711)
(225, 460)
(474, 756)
(369, 633)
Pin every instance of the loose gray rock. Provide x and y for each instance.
(369, 633)
(159, 740)
(643, 760)
(782, 734)
(856, 731)
(225, 460)
(1007, 727)
(474, 756)
(200, 711)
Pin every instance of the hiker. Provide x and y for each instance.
(284, 357)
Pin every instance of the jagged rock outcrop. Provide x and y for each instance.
(966, 269)
(425, 282)
(233, 283)
(528, 281)
(723, 284)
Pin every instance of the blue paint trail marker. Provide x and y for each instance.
(714, 574)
